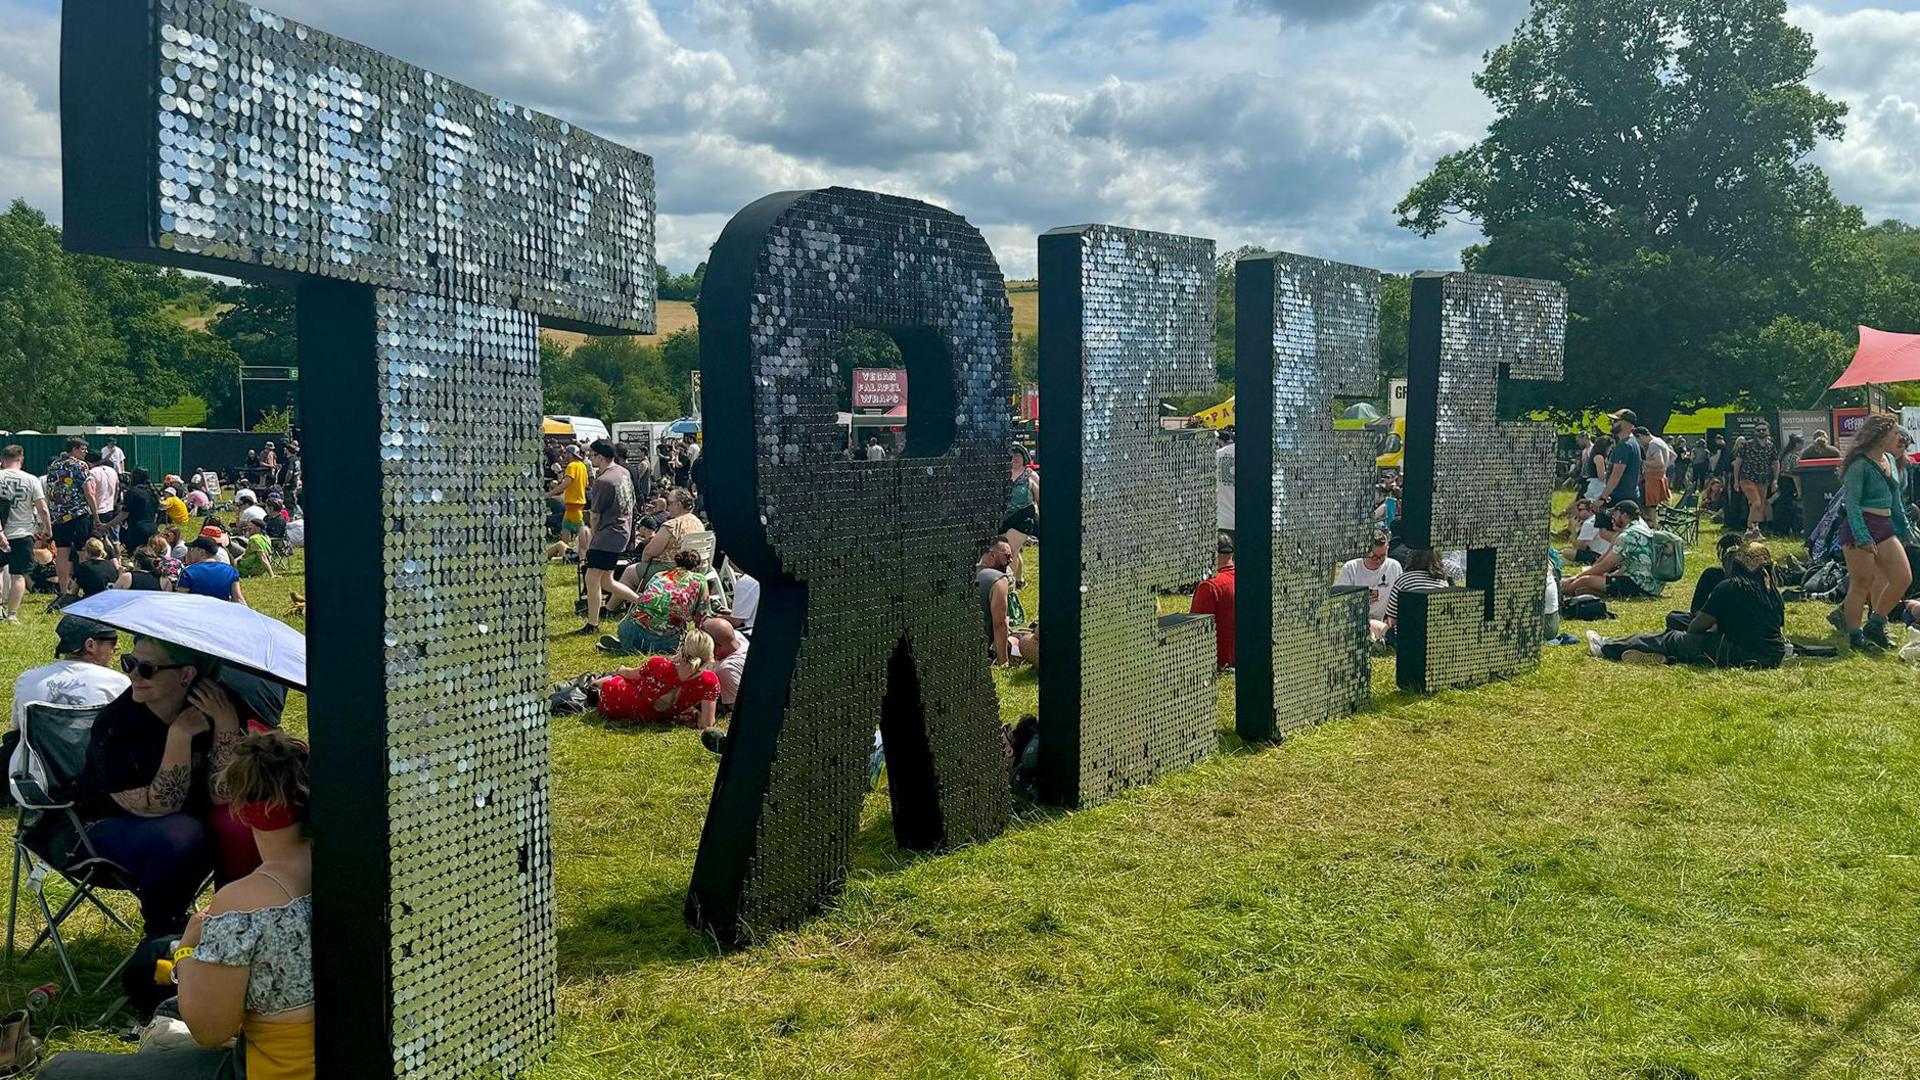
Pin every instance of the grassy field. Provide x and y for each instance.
(1593, 870)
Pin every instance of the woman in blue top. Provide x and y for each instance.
(1873, 478)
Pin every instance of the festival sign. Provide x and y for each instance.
(1126, 321)
(869, 617)
(1475, 481)
(1845, 423)
(1306, 332)
(1805, 423)
(879, 388)
(430, 231)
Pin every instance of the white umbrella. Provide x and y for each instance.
(232, 632)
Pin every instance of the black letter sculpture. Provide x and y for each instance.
(1126, 319)
(429, 228)
(1474, 481)
(868, 613)
(1306, 331)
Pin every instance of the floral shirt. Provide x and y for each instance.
(67, 489)
(1635, 547)
(669, 602)
(276, 946)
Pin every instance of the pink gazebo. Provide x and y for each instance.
(1882, 358)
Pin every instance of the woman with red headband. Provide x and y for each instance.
(245, 965)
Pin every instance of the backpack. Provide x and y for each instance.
(1669, 554)
(1584, 608)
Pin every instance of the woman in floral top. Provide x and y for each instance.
(672, 601)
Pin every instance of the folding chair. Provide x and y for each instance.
(49, 837)
(1682, 520)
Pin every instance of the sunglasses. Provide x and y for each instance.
(145, 669)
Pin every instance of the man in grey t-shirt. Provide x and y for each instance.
(610, 524)
(25, 496)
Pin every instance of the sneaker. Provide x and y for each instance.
(714, 739)
(1876, 633)
(588, 630)
(609, 643)
(1858, 641)
(8, 618)
(1594, 641)
(1838, 619)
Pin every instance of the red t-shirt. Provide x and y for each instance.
(659, 694)
(1214, 597)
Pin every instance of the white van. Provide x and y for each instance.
(585, 428)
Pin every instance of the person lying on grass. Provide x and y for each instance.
(1740, 625)
(666, 690)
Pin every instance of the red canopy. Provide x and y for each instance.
(1882, 358)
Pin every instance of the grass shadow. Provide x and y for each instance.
(631, 935)
(1877, 1002)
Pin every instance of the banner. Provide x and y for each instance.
(1845, 423)
(1397, 398)
(879, 388)
(1805, 423)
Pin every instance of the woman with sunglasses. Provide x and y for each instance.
(148, 799)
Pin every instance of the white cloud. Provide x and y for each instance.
(1295, 123)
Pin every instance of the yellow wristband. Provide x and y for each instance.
(182, 953)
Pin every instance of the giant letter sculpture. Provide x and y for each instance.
(428, 227)
(1474, 481)
(1306, 331)
(868, 614)
(1126, 319)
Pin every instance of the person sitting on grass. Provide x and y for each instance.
(1426, 571)
(673, 600)
(257, 548)
(148, 572)
(96, 570)
(206, 575)
(1625, 572)
(1741, 624)
(245, 965)
(677, 689)
(1592, 532)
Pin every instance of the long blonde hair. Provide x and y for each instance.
(695, 645)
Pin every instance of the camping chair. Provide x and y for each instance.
(1681, 520)
(49, 837)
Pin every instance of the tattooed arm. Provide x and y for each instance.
(217, 705)
(167, 792)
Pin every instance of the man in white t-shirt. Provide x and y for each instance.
(81, 674)
(111, 454)
(1594, 539)
(1374, 572)
(1223, 468)
(746, 601)
(25, 496)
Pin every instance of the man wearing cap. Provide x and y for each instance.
(1214, 597)
(81, 675)
(1625, 468)
(206, 575)
(1626, 572)
(172, 505)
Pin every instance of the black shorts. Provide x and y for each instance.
(1622, 587)
(20, 556)
(73, 534)
(603, 560)
(1026, 520)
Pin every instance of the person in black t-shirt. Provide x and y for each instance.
(148, 799)
(1740, 624)
(139, 510)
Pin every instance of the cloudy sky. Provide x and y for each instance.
(1284, 123)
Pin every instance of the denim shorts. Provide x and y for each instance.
(638, 639)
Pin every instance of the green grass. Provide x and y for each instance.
(1592, 870)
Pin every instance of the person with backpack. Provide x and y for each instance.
(1639, 565)
(1741, 624)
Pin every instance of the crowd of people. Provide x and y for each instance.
(85, 524)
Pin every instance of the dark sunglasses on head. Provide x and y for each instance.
(145, 669)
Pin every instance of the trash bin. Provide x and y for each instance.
(1819, 482)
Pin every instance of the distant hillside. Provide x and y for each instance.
(1025, 296)
(670, 315)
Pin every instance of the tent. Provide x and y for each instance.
(550, 426)
(1882, 358)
